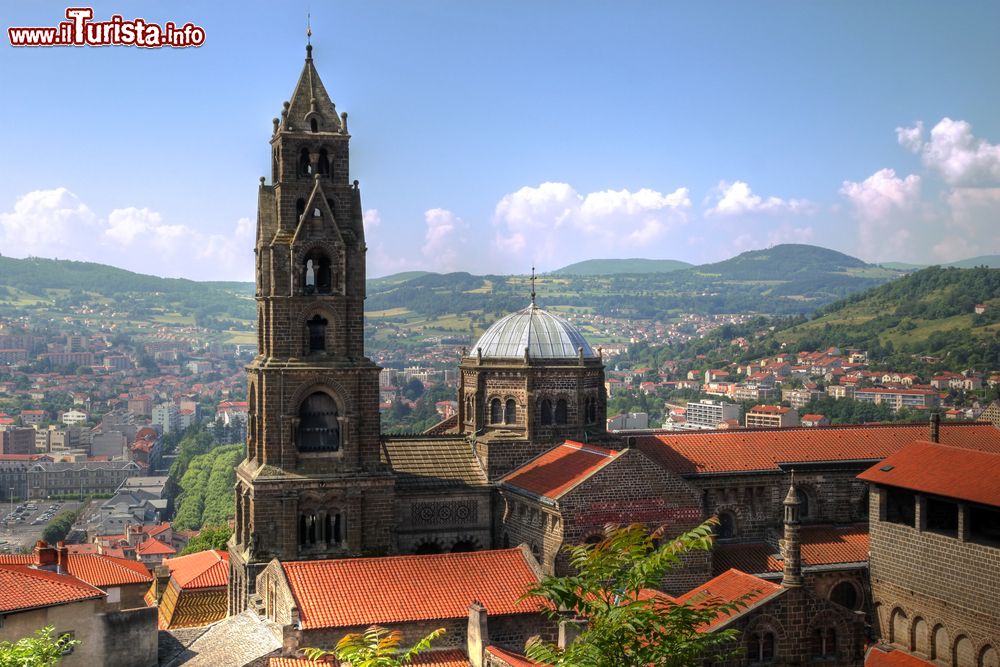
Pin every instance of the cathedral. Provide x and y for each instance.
(525, 467)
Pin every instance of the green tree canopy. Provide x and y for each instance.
(41, 650)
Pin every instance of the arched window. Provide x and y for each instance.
(319, 429)
(324, 162)
(313, 125)
(804, 506)
(562, 411)
(305, 164)
(510, 412)
(496, 411)
(545, 412)
(317, 334)
(727, 525)
(463, 546)
(824, 643)
(845, 594)
(318, 273)
(323, 528)
(760, 647)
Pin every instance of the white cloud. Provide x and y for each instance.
(961, 158)
(444, 240)
(372, 220)
(553, 224)
(56, 223)
(737, 198)
(886, 208)
(969, 228)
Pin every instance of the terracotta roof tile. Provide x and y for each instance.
(23, 587)
(191, 608)
(941, 470)
(366, 591)
(730, 586)
(205, 569)
(888, 656)
(94, 569)
(558, 470)
(692, 453)
(511, 658)
(821, 545)
(153, 547)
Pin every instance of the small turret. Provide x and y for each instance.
(793, 548)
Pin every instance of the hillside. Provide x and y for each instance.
(783, 262)
(991, 261)
(928, 312)
(606, 267)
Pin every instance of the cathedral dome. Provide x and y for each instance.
(546, 336)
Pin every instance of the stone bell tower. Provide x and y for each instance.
(311, 485)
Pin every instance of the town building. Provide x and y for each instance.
(771, 416)
(709, 414)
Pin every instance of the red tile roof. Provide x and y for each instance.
(701, 452)
(23, 587)
(511, 658)
(447, 658)
(730, 586)
(560, 469)
(94, 569)
(205, 569)
(153, 547)
(887, 656)
(366, 591)
(941, 470)
(770, 409)
(821, 545)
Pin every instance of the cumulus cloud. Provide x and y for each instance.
(885, 206)
(554, 224)
(953, 151)
(56, 223)
(445, 239)
(736, 198)
(969, 227)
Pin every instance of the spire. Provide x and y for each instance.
(533, 286)
(310, 101)
(792, 577)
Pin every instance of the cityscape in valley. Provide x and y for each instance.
(784, 456)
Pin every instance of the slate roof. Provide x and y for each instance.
(766, 450)
(557, 471)
(23, 587)
(546, 336)
(941, 470)
(731, 586)
(243, 639)
(432, 462)
(367, 591)
(94, 569)
(821, 545)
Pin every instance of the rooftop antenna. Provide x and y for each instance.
(532, 285)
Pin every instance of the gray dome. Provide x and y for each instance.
(545, 335)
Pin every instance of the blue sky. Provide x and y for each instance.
(488, 136)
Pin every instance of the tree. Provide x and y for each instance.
(41, 650)
(375, 647)
(623, 625)
(210, 537)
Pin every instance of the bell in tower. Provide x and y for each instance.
(312, 484)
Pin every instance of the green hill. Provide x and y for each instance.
(928, 312)
(607, 267)
(783, 262)
(991, 261)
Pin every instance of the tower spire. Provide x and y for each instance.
(309, 34)
(532, 285)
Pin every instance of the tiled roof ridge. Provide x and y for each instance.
(399, 557)
(786, 429)
(592, 449)
(66, 583)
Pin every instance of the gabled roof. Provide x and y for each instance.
(731, 586)
(433, 461)
(726, 451)
(511, 658)
(821, 545)
(941, 470)
(205, 569)
(94, 569)
(560, 469)
(367, 591)
(154, 547)
(23, 587)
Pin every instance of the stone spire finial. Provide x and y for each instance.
(309, 34)
(532, 285)
(792, 577)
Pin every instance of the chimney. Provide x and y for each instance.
(45, 556)
(62, 558)
(477, 635)
(570, 628)
(935, 427)
(161, 579)
(793, 550)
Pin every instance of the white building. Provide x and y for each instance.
(74, 417)
(167, 417)
(709, 414)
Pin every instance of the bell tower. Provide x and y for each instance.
(312, 484)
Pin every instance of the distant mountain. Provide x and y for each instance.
(991, 261)
(902, 266)
(783, 262)
(607, 267)
(396, 278)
